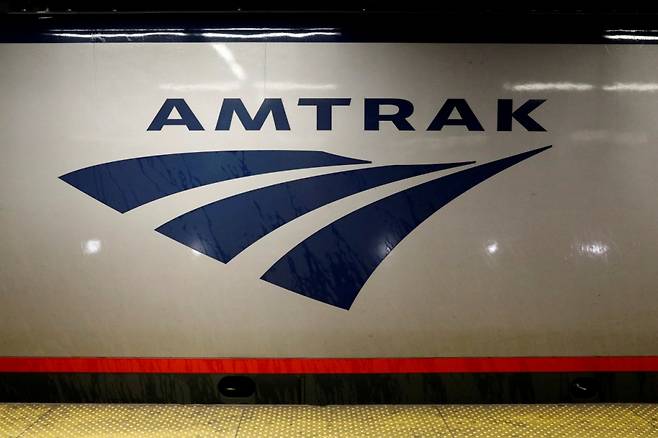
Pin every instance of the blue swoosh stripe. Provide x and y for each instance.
(333, 264)
(224, 228)
(126, 184)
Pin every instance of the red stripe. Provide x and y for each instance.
(327, 366)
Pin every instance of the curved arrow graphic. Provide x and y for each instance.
(127, 184)
(224, 228)
(333, 264)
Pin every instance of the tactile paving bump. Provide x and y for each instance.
(342, 421)
(600, 420)
(137, 421)
(632, 420)
(16, 419)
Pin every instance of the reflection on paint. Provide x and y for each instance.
(593, 249)
(574, 86)
(116, 29)
(216, 86)
(492, 248)
(91, 246)
(385, 248)
(265, 35)
(207, 29)
(227, 55)
(285, 86)
(632, 31)
(227, 33)
(549, 86)
(632, 86)
(630, 37)
(116, 35)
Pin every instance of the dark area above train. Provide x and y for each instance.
(192, 6)
(336, 21)
(44, 23)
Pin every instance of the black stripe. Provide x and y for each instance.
(351, 26)
(322, 389)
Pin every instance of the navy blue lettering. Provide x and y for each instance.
(324, 108)
(506, 113)
(466, 116)
(372, 116)
(187, 117)
(269, 106)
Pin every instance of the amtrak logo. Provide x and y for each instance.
(332, 264)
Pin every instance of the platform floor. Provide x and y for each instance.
(42, 420)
